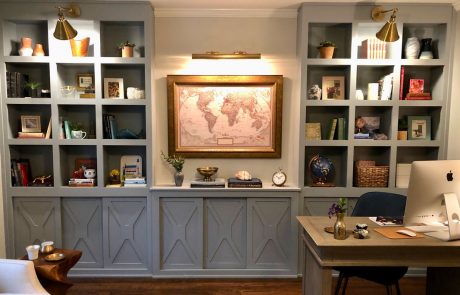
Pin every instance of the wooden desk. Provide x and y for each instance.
(322, 252)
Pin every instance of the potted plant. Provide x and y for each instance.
(339, 209)
(402, 129)
(177, 162)
(326, 49)
(127, 49)
(114, 176)
(31, 89)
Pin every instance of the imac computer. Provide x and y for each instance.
(433, 197)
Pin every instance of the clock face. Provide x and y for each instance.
(279, 178)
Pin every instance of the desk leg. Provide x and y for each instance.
(442, 280)
(316, 280)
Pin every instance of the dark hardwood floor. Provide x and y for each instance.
(138, 286)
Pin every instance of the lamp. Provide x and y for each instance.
(64, 31)
(218, 55)
(389, 31)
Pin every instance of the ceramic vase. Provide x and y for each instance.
(79, 47)
(412, 48)
(426, 51)
(326, 52)
(178, 178)
(127, 51)
(314, 92)
(38, 50)
(26, 47)
(340, 229)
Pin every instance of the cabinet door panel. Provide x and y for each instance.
(82, 228)
(35, 220)
(182, 233)
(125, 231)
(269, 233)
(226, 233)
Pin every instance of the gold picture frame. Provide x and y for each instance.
(85, 81)
(225, 116)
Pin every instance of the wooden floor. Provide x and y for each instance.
(88, 286)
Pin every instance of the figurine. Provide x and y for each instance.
(314, 92)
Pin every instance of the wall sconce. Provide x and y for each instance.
(64, 31)
(218, 55)
(389, 31)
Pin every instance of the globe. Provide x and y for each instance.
(322, 170)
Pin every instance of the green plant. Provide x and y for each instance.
(326, 44)
(76, 126)
(32, 85)
(402, 124)
(339, 207)
(176, 161)
(127, 43)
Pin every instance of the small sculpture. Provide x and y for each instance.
(243, 175)
(314, 92)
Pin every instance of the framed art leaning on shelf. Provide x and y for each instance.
(113, 88)
(333, 87)
(419, 127)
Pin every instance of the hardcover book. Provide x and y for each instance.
(235, 182)
(216, 183)
(313, 131)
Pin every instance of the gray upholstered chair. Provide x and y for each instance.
(19, 277)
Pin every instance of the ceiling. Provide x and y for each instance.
(264, 4)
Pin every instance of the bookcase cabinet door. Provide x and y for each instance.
(35, 220)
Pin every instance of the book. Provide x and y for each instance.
(373, 48)
(386, 87)
(361, 136)
(388, 220)
(401, 83)
(48, 130)
(67, 129)
(332, 128)
(313, 131)
(218, 182)
(31, 135)
(419, 96)
(135, 185)
(341, 129)
(235, 182)
(86, 184)
(416, 85)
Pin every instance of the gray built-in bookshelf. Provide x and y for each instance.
(93, 219)
(348, 26)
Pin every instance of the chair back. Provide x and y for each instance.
(380, 204)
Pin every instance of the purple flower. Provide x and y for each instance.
(339, 207)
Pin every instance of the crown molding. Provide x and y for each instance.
(243, 13)
(456, 5)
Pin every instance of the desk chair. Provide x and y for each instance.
(375, 204)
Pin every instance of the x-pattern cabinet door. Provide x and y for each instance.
(35, 220)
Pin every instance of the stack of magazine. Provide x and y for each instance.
(135, 182)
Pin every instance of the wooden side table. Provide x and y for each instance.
(53, 274)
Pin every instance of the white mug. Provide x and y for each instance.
(131, 92)
(32, 251)
(78, 134)
(90, 173)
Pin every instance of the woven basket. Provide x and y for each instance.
(369, 175)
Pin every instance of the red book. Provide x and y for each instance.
(401, 84)
(22, 167)
(418, 97)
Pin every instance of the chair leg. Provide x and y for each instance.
(345, 285)
(398, 291)
(389, 289)
(339, 284)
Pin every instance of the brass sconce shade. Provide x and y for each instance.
(218, 55)
(63, 30)
(389, 31)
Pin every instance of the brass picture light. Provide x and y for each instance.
(219, 55)
(389, 31)
(64, 31)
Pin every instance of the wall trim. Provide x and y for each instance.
(234, 13)
(456, 5)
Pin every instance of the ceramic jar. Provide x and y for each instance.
(412, 48)
(426, 51)
(340, 229)
(38, 50)
(26, 47)
(127, 51)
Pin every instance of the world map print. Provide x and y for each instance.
(225, 116)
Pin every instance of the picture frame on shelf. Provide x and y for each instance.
(85, 81)
(225, 116)
(419, 127)
(31, 124)
(333, 87)
(113, 88)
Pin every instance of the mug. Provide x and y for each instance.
(47, 247)
(131, 92)
(90, 173)
(32, 251)
(78, 134)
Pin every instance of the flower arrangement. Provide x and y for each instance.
(176, 161)
(339, 207)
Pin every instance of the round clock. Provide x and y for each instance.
(279, 178)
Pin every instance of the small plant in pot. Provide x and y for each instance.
(177, 162)
(31, 89)
(127, 49)
(326, 49)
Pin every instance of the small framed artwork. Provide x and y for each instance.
(313, 131)
(85, 81)
(416, 85)
(333, 87)
(113, 88)
(31, 124)
(419, 127)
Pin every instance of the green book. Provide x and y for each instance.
(333, 128)
(67, 129)
(341, 129)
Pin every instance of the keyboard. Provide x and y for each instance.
(427, 228)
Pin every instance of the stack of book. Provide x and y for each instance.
(373, 48)
(31, 135)
(15, 83)
(135, 182)
(110, 126)
(337, 129)
(21, 174)
(235, 182)
(216, 183)
(82, 182)
(418, 96)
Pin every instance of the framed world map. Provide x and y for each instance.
(225, 116)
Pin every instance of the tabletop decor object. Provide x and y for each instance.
(322, 171)
(326, 49)
(339, 209)
(177, 162)
(207, 172)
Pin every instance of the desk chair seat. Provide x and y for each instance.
(375, 204)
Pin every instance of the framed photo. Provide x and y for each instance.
(225, 116)
(31, 124)
(419, 127)
(85, 81)
(333, 87)
(113, 88)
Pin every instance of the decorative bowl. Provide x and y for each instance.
(55, 257)
(207, 172)
(68, 91)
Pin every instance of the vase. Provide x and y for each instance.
(326, 52)
(127, 51)
(178, 178)
(426, 51)
(79, 47)
(26, 47)
(412, 48)
(340, 229)
(38, 50)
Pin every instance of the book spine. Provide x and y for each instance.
(341, 128)
(67, 129)
(234, 185)
(48, 130)
(418, 98)
(401, 84)
(332, 129)
(22, 167)
(113, 127)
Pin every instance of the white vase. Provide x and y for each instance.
(412, 48)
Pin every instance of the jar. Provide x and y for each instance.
(38, 50)
(412, 48)
(26, 47)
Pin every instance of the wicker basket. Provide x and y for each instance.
(369, 175)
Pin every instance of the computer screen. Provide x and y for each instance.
(428, 182)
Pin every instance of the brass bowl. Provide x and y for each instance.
(55, 257)
(207, 172)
